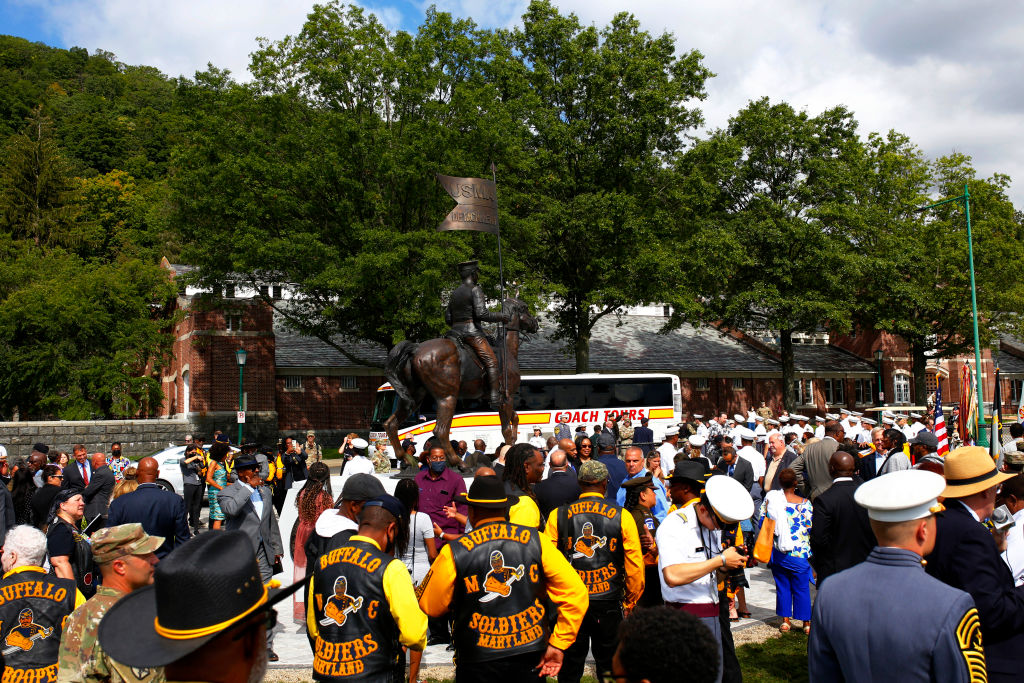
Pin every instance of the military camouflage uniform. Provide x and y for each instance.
(82, 660)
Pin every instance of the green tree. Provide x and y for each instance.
(606, 111)
(918, 279)
(766, 196)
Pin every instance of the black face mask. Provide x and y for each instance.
(116, 454)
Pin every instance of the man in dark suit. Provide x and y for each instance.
(812, 466)
(248, 507)
(736, 467)
(78, 472)
(101, 485)
(478, 458)
(841, 535)
(616, 469)
(160, 512)
(643, 436)
(965, 557)
(560, 488)
(780, 457)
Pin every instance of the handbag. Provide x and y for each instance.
(765, 541)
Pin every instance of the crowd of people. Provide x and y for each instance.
(526, 561)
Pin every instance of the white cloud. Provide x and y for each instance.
(941, 71)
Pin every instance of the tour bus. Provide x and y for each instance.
(587, 399)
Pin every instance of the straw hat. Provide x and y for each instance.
(970, 469)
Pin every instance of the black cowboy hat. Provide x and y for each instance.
(201, 589)
(487, 492)
(687, 470)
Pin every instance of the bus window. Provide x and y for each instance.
(383, 406)
(600, 396)
(628, 395)
(569, 395)
(536, 397)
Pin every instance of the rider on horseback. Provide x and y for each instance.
(467, 308)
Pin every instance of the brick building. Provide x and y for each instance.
(293, 383)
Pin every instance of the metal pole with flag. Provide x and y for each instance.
(1020, 408)
(995, 443)
(940, 422)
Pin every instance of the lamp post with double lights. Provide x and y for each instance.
(881, 392)
(240, 357)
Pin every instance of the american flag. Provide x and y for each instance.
(940, 423)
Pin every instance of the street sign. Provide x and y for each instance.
(241, 417)
(881, 395)
(478, 204)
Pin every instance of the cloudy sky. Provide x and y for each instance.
(942, 71)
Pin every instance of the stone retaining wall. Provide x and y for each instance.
(137, 437)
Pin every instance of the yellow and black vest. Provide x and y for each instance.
(590, 537)
(33, 608)
(500, 593)
(358, 637)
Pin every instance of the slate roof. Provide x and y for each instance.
(824, 358)
(635, 346)
(1010, 364)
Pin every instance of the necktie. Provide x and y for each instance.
(85, 474)
(731, 468)
(256, 498)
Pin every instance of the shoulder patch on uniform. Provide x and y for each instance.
(968, 637)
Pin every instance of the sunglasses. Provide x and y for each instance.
(586, 446)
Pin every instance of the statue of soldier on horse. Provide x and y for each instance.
(462, 364)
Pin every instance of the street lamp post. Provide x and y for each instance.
(982, 436)
(240, 357)
(878, 359)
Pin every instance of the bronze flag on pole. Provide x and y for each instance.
(478, 204)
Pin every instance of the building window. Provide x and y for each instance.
(234, 322)
(865, 390)
(1015, 388)
(348, 383)
(293, 382)
(277, 291)
(931, 382)
(264, 291)
(835, 391)
(901, 388)
(737, 384)
(804, 390)
(702, 384)
(229, 291)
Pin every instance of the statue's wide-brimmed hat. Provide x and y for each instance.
(467, 267)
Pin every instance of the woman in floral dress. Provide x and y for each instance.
(789, 564)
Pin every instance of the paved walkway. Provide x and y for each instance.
(292, 647)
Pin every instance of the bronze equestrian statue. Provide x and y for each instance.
(461, 364)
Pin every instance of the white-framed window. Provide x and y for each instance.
(276, 291)
(835, 391)
(865, 390)
(702, 384)
(931, 382)
(234, 322)
(1016, 385)
(349, 383)
(229, 291)
(804, 391)
(737, 384)
(293, 382)
(901, 388)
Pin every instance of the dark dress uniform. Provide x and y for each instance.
(354, 592)
(886, 620)
(467, 308)
(33, 610)
(602, 544)
(965, 557)
(497, 580)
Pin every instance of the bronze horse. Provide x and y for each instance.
(437, 366)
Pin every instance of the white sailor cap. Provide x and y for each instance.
(784, 418)
(856, 413)
(868, 421)
(730, 421)
(901, 496)
(854, 417)
(773, 422)
(758, 418)
(671, 431)
(698, 416)
(888, 413)
(819, 418)
(739, 418)
(729, 499)
(915, 416)
(887, 421)
(359, 444)
(747, 434)
(800, 418)
(900, 416)
(831, 416)
(697, 440)
(844, 411)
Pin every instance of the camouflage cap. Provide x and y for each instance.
(593, 472)
(126, 539)
(1015, 458)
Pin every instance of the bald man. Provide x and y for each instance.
(560, 487)
(101, 485)
(841, 534)
(160, 512)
